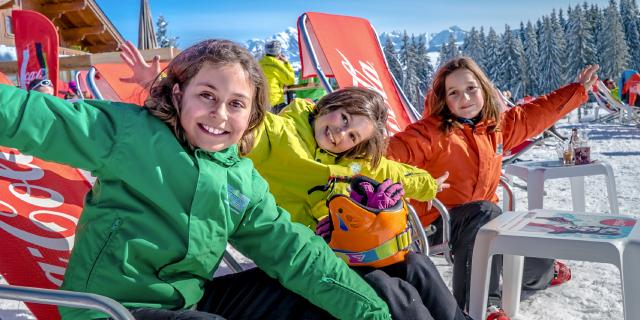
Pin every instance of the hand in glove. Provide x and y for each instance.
(324, 228)
(384, 196)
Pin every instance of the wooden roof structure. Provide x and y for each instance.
(83, 28)
(81, 24)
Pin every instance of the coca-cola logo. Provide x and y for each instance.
(30, 69)
(36, 214)
(368, 77)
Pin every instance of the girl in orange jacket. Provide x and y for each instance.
(465, 134)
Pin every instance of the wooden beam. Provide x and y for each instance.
(165, 54)
(83, 62)
(77, 34)
(98, 48)
(56, 10)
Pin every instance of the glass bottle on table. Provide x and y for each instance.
(582, 150)
(567, 155)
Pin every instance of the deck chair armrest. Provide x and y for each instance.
(66, 298)
(419, 232)
(508, 199)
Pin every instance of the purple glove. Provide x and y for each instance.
(324, 228)
(384, 196)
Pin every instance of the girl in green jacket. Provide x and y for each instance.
(172, 190)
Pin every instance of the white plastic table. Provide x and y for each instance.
(561, 235)
(536, 172)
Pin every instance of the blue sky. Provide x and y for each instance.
(241, 20)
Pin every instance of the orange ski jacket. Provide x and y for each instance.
(473, 156)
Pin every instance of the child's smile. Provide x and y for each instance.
(212, 130)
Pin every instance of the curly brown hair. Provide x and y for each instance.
(163, 104)
(364, 102)
(437, 97)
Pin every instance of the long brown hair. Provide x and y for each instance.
(164, 105)
(364, 102)
(437, 97)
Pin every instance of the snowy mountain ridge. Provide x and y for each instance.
(289, 40)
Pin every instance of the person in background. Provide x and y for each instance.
(41, 85)
(611, 85)
(72, 93)
(278, 72)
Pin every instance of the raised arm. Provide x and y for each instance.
(143, 73)
(77, 134)
(523, 122)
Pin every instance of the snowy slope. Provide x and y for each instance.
(594, 292)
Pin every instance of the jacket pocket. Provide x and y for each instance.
(111, 232)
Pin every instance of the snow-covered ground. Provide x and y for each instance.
(594, 292)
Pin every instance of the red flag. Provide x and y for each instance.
(36, 47)
(40, 204)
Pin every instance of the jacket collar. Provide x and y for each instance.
(480, 127)
(227, 157)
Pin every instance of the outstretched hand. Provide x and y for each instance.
(588, 76)
(441, 181)
(441, 186)
(143, 73)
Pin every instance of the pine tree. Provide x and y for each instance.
(492, 55)
(580, 42)
(392, 59)
(473, 47)
(635, 13)
(532, 57)
(611, 44)
(550, 60)
(562, 21)
(569, 14)
(512, 63)
(560, 41)
(455, 52)
(410, 82)
(444, 54)
(629, 11)
(448, 50)
(522, 32)
(483, 40)
(164, 41)
(424, 70)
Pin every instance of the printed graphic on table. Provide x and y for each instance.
(576, 226)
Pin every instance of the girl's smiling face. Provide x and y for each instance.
(215, 106)
(464, 95)
(339, 131)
